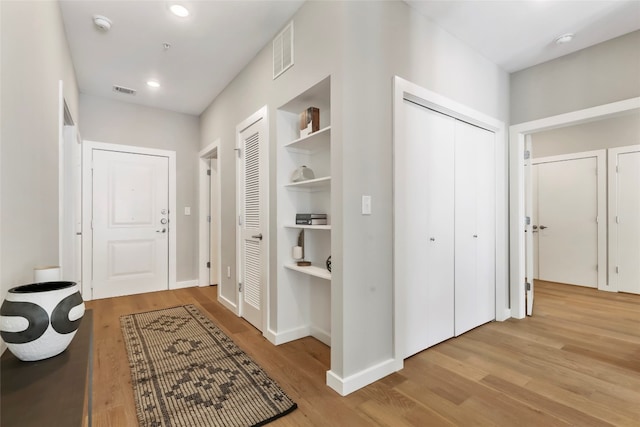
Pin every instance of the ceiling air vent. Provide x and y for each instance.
(125, 90)
(283, 51)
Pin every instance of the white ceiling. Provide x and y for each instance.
(516, 34)
(219, 38)
(208, 48)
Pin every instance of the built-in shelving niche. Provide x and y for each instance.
(304, 293)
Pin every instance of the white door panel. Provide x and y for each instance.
(567, 221)
(530, 235)
(474, 227)
(253, 227)
(626, 226)
(424, 213)
(130, 241)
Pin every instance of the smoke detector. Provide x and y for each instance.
(102, 22)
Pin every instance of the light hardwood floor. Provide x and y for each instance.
(575, 362)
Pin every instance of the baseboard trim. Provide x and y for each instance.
(345, 386)
(506, 314)
(321, 335)
(185, 284)
(228, 304)
(278, 338)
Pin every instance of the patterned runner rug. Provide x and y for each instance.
(186, 372)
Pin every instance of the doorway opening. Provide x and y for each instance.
(522, 292)
(209, 270)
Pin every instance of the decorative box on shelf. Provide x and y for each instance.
(309, 121)
(311, 219)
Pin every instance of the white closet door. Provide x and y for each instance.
(624, 238)
(424, 252)
(474, 227)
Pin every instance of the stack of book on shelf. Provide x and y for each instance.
(311, 219)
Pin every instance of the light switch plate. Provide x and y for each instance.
(366, 205)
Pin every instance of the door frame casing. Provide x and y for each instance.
(261, 114)
(211, 151)
(601, 195)
(517, 193)
(87, 205)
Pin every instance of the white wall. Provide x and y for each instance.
(317, 55)
(34, 57)
(600, 74)
(362, 45)
(609, 133)
(384, 39)
(106, 120)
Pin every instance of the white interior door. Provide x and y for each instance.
(530, 233)
(567, 221)
(474, 227)
(253, 217)
(130, 220)
(624, 221)
(424, 227)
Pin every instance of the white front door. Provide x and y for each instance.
(624, 218)
(130, 207)
(567, 221)
(253, 223)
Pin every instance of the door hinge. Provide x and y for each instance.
(527, 220)
(208, 218)
(239, 219)
(617, 219)
(527, 154)
(209, 172)
(597, 269)
(527, 286)
(617, 168)
(208, 264)
(617, 270)
(239, 151)
(239, 287)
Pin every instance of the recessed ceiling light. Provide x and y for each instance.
(179, 10)
(153, 83)
(565, 38)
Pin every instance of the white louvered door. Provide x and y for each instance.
(252, 219)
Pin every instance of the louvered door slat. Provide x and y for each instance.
(252, 181)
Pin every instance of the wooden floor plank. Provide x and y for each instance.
(575, 362)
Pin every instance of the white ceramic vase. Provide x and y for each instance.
(39, 320)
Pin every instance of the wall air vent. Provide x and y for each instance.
(283, 51)
(124, 90)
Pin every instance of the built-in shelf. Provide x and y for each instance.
(309, 227)
(311, 142)
(311, 184)
(311, 270)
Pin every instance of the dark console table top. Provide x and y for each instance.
(49, 392)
